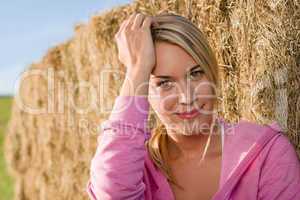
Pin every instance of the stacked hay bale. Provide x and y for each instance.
(62, 99)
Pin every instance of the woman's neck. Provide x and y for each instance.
(190, 147)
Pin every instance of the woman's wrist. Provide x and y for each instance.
(136, 82)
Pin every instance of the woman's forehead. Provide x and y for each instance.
(171, 60)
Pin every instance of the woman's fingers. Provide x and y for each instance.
(121, 28)
(130, 21)
(134, 43)
(147, 22)
(124, 24)
(138, 21)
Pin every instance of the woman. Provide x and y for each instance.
(193, 154)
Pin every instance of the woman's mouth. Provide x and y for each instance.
(189, 115)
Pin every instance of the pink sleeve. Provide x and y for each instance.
(116, 170)
(280, 176)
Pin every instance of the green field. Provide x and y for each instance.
(6, 182)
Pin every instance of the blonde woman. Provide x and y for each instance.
(193, 154)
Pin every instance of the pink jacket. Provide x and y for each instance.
(258, 162)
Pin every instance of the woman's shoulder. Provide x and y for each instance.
(248, 131)
(266, 153)
(280, 169)
(245, 136)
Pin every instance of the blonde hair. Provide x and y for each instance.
(178, 30)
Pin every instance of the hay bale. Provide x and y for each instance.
(49, 147)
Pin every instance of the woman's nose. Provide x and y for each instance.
(186, 94)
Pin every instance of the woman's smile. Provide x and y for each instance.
(191, 114)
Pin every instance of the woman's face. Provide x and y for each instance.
(178, 84)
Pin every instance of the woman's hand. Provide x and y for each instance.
(135, 44)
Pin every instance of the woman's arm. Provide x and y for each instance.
(116, 170)
(280, 176)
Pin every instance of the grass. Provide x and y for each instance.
(6, 182)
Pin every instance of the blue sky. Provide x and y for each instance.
(28, 28)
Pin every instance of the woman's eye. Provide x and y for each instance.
(197, 73)
(164, 84)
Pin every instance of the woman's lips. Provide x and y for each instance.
(189, 115)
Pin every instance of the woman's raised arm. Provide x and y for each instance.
(116, 171)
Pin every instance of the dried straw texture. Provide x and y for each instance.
(257, 46)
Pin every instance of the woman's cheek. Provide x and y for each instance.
(167, 104)
(158, 102)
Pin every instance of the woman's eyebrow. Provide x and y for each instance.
(170, 77)
(195, 67)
